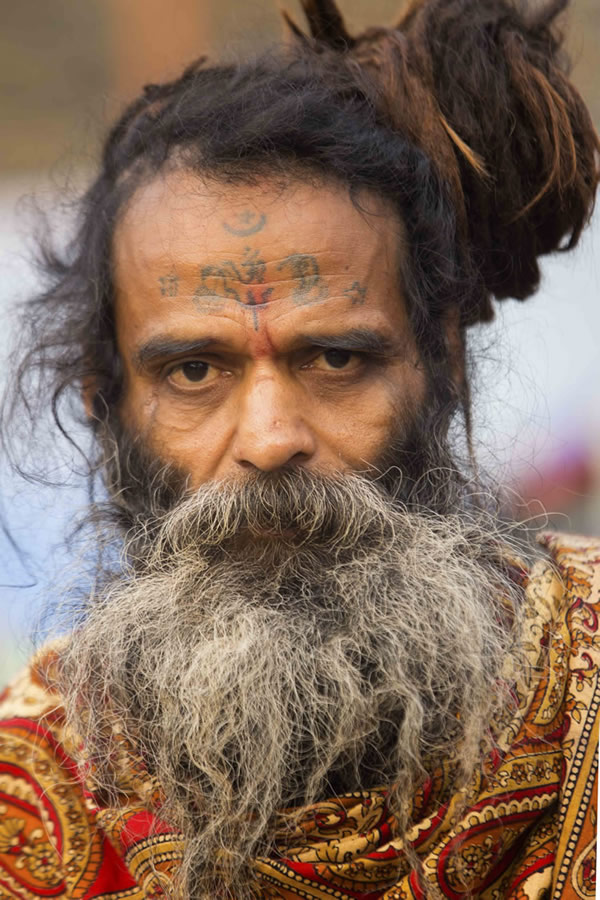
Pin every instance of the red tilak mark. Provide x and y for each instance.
(262, 344)
(253, 301)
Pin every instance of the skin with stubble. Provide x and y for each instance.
(292, 625)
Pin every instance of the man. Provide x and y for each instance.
(320, 668)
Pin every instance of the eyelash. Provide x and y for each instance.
(354, 354)
(365, 359)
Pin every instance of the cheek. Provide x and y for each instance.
(195, 439)
(137, 408)
(361, 428)
(191, 453)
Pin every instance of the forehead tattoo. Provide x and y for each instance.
(242, 282)
(246, 223)
(169, 285)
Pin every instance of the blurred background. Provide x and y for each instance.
(66, 69)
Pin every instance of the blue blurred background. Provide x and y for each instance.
(66, 68)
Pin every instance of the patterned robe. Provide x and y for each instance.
(526, 832)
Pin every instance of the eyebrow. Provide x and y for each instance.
(365, 340)
(162, 347)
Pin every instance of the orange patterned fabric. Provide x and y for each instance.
(526, 831)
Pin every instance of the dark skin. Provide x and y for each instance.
(262, 326)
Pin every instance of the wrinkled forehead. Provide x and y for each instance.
(180, 221)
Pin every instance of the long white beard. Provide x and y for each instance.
(275, 641)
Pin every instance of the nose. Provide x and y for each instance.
(271, 431)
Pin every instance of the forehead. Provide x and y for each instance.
(180, 214)
(187, 246)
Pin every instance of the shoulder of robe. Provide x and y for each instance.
(567, 587)
(563, 586)
(563, 609)
(47, 834)
(562, 547)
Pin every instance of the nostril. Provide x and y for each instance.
(246, 464)
(298, 459)
(271, 465)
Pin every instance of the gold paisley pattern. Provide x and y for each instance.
(524, 829)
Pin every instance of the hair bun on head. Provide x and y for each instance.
(481, 86)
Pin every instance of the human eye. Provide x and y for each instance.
(337, 359)
(192, 373)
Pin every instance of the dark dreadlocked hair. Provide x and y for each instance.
(461, 116)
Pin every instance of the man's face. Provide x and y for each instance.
(267, 350)
(262, 326)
